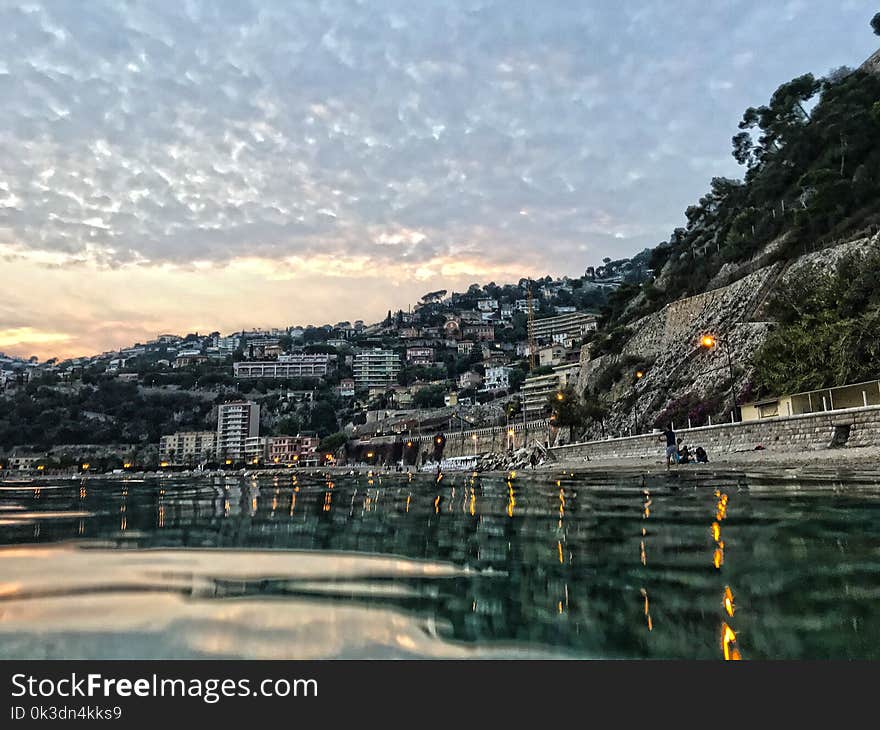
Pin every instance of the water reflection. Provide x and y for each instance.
(463, 564)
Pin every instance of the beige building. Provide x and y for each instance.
(186, 447)
(857, 395)
(479, 333)
(537, 389)
(551, 355)
(22, 462)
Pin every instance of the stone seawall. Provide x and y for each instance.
(852, 427)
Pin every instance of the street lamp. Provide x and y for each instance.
(639, 375)
(711, 341)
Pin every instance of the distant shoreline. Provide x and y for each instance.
(858, 458)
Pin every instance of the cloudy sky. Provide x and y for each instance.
(196, 165)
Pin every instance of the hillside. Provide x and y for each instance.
(779, 266)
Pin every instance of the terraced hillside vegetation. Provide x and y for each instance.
(781, 266)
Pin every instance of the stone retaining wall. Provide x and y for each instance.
(812, 431)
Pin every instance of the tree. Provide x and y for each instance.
(323, 418)
(430, 397)
(288, 426)
(743, 149)
(333, 442)
(566, 407)
(515, 379)
(595, 410)
(875, 23)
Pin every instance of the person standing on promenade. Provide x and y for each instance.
(671, 445)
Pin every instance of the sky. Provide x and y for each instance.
(196, 165)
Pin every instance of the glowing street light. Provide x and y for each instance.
(639, 375)
(709, 342)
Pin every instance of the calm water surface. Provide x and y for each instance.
(541, 565)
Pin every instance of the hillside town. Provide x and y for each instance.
(295, 395)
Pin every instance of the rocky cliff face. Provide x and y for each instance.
(668, 341)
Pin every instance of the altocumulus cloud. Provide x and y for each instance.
(431, 141)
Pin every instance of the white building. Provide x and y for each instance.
(236, 422)
(227, 345)
(256, 449)
(522, 305)
(420, 355)
(297, 365)
(497, 378)
(573, 326)
(470, 379)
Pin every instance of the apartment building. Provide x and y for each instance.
(537, 389)
(236, 422)
(497, 378)
(420, 355)
(470, 379)
(296, 365)
(345, 389)
(375, 368)
(551, 355)
(480, 333)
(186, 447)
(573, 326)
(188, 358)
(522, 305)
(256, 449)
(292, 449)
